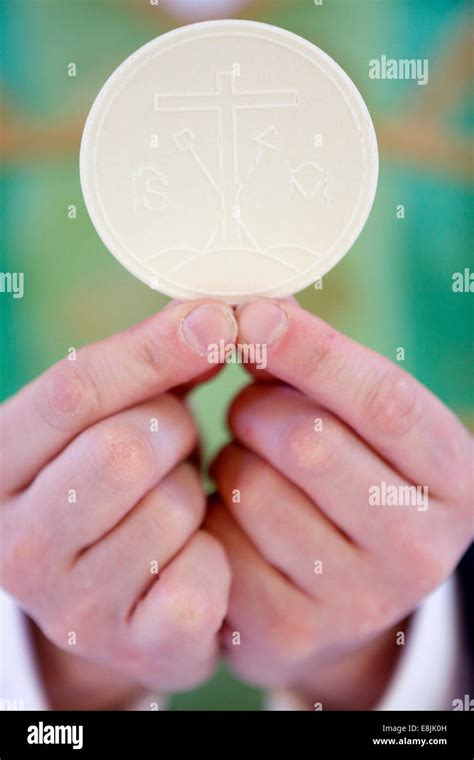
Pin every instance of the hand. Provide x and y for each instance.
(323, 578)
(96, 496)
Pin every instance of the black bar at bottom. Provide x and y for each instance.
(143, 734)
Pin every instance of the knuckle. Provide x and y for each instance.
(392, 404)
(152, 354)
(146, 350)
(324, 356)
(70, 396)
(303, 447)
(197, 611)
(122, 454)
(194, 614)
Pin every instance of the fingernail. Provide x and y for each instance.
(208, 324)
(263, 322)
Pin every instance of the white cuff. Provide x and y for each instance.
(20, 682)
(428, 673)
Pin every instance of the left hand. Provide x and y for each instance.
(296, 495)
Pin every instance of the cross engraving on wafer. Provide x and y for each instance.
(226, 101)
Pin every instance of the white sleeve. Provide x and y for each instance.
(20, 683)
(429, 671)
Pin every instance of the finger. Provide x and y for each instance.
(283, 523)
(324, 458)
(100, 476)
(167, 350)
(271, 626)
(258, 368)
(350, 484)
(389, 409)
(130, 557)
(179, 617)
(169, 641)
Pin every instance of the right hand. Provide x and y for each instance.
(92, 498)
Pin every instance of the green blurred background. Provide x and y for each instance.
(393, 290)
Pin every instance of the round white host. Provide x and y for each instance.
(229, 159)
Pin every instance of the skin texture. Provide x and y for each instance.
(85, 571)
(85, 567)
(303, 497)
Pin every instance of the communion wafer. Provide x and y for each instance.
(229, 159)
